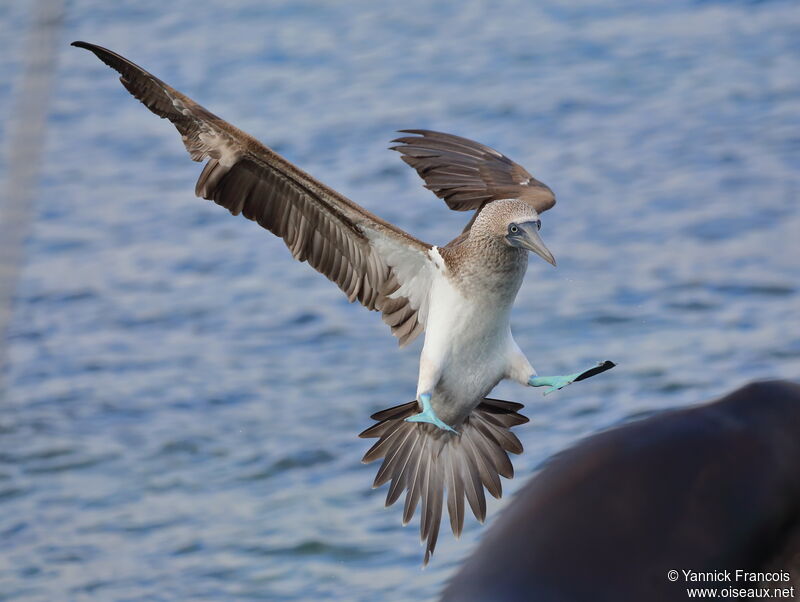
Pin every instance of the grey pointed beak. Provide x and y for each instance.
(529, 239)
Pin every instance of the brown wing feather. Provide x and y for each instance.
(467, 174)
(318, 224)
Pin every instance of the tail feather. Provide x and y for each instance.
(396, 459)
(423, 461)
(455, 498)
(472, 485)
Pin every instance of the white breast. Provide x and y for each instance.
(468, 338)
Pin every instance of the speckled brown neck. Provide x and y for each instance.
(482, 264)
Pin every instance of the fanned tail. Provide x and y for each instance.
(424, 461)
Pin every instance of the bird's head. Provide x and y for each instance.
(517, 224)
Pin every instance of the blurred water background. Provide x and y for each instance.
(182, 399)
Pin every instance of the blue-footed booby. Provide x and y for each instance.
(451, 436)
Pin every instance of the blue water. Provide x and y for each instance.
(183, 399)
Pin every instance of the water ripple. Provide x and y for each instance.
(184, 399)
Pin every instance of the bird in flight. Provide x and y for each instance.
(451, 437)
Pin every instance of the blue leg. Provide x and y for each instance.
(428, 415)
(559, 382)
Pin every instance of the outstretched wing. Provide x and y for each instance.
(372, 261)
(467, 174)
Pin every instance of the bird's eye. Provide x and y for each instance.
(513, 228)
(538, 224)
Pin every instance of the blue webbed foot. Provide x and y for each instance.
(559, 382)
(428, 415)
